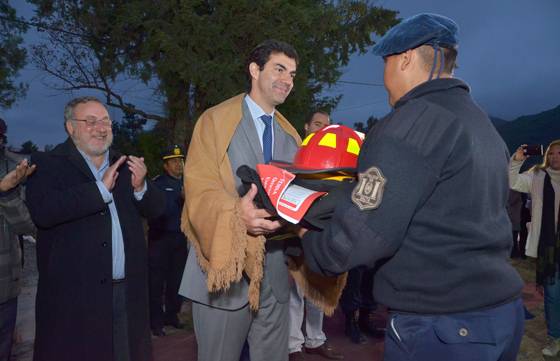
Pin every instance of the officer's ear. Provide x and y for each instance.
(407, 58)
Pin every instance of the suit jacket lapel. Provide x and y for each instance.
(284, 145)
(248, 127)
(69, 150)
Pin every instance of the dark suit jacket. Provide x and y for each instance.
(74, 294)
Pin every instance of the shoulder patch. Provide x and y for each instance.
(368, 193)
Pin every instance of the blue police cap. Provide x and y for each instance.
(173, 151)
(421, 29)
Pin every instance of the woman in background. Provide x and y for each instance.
(543, 183)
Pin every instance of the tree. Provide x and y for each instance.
(29, 147)
(126, 132)
(12, 55)
(370, 123)
(130, 138)
(194, 50)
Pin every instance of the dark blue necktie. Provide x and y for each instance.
(267, 138)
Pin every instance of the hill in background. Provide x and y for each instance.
(541, 128)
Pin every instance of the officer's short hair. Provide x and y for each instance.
(71, 105)
(427, 55)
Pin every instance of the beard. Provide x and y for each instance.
(94, 150)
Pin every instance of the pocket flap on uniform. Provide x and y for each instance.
(465, 330)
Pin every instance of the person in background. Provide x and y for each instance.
(315, 340)
(542, 182)
(167, 245)
(358, 305)
(87, 202)
(525, 219)
(515, 203)
(14, 221)
(318, 120)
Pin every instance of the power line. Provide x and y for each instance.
(359, 106)
(359, 83)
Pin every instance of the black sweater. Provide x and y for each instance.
(441, 234)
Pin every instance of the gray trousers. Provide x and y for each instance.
(220, 334)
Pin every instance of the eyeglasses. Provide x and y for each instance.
(92, 122)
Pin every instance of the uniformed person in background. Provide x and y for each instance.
(429, 209)
(168, 247)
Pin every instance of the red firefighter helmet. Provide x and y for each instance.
(334, 148)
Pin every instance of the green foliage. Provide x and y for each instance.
(151, 145)
(12, 55)
(126, 132)
(130, 138)
(195, 50)
(28, 147)
(365, 128)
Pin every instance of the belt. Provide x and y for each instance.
(120, 280)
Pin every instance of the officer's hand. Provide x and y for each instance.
(298, 230)
(110, 176)
(255, 218)
(138, 170)
(301, 232)
(520, 153)
(17, 175)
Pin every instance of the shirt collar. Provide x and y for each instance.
(92, 166)
(256, 111)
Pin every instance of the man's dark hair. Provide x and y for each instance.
(313, 112)
(449, 55)
(261, 54)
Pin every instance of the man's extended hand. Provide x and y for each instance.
(16, 176)
(255, 218)
(110, 176)
(138, 170)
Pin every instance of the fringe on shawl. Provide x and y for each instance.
(254, 269)
(247, 255)
(324, 292)
(221, 279)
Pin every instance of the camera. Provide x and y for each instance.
(533, 149)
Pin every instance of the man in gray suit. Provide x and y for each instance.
(237, 277)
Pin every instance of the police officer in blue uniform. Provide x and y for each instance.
(167, 245)
(429, 210)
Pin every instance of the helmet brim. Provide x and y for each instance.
(298, 170)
